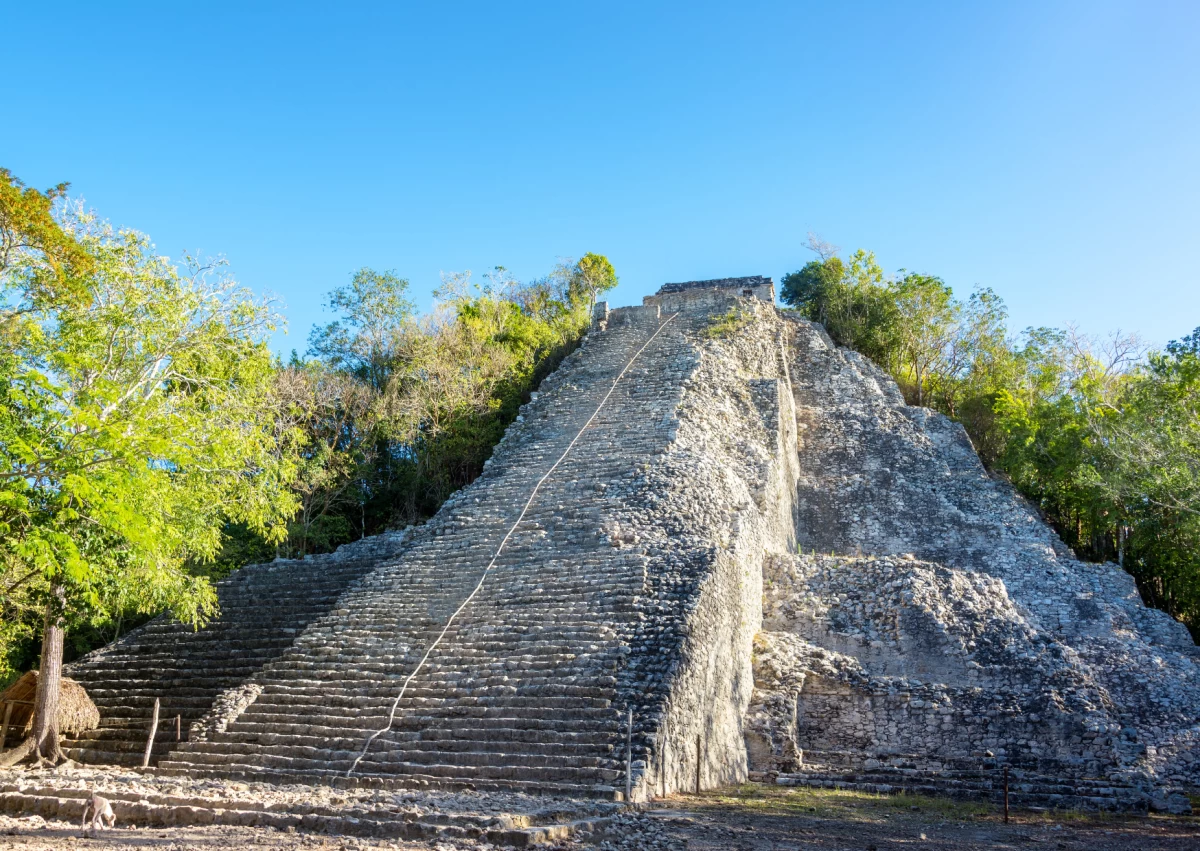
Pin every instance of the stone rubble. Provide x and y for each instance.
(635, 831)
(500, 818)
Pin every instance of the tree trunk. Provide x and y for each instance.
(45, 705)
(11, 757)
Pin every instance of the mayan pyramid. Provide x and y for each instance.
(712, 546)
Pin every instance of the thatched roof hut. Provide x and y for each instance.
(76, 712)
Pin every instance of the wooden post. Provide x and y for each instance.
(4, 727)
(629, 758)
(150, 739)
(697, 763)
(177, 729)
(1006, 794)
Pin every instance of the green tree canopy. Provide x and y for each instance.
(133, 426)
(853, 300)
(376, 315)
(591, 276)
(51, 260)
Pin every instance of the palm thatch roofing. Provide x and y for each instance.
(76, 712)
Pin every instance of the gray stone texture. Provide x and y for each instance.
(756, 547)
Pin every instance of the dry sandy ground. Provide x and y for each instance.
(732, 831)
(57, 836)
(748, 819)
(762, 818)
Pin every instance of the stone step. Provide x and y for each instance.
(531, 717)
(468, 774)
(489, 756)
(591, 684)
(313, 775)
(452, 739)
(154, 810)
(504, 728)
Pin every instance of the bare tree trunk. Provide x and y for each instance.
(20, 752)
(45, 704)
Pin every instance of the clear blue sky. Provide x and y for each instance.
(1048, 150)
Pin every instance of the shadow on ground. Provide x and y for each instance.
(766, 818)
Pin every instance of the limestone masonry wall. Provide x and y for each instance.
(944, 624)
(754, 549)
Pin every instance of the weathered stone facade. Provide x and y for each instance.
(946, 623)
(745, 541)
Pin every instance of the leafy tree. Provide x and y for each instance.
(376, 315)
(30, 236)
(927, 322)
(132, 428)
(1149, 444)
(51, 259)
(420, 400)
(1154, 445)
(326, 421)
(807, 289)
(592, 275)
(979, 358)
(485, 349)
(853, 300)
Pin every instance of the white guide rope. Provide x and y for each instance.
(503, 544)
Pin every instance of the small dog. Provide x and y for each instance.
(101, 812)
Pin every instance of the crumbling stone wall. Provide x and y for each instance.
(933, 619)
(720, 498)
(912, 659)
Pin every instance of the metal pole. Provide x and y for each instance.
(697, 763)
(629, 758)
(178, 730)
(150, 738)
(1006, 794)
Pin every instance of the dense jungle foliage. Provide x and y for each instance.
(151, 443)
(1102, 435)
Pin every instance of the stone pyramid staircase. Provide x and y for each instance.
(521, 691)
(263, 608)
(585, 611)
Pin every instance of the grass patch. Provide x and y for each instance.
(850, 805)
(728, 323)
(839, 803)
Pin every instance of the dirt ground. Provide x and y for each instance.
(761, 818)
(57, 835)
(751, 818)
